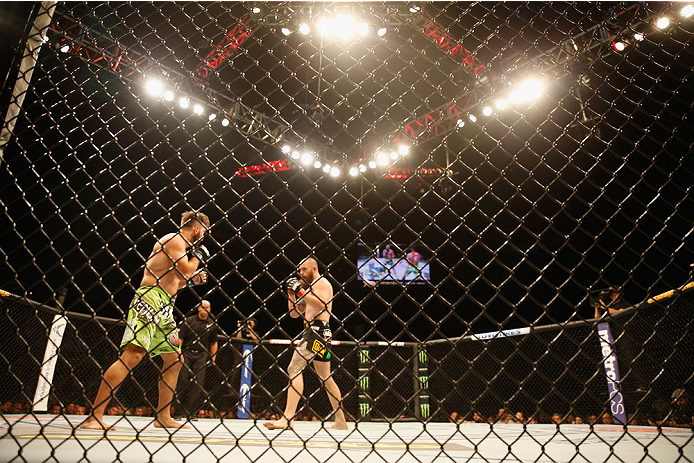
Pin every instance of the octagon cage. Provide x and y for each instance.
(473, 221)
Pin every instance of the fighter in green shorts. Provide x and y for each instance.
(150, 322)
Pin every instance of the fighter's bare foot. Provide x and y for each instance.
(169, 423)
(339, 426)
(95, 423)
(281, 424)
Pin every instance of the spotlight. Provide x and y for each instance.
(501, 104)
(154, 87)
(225, 122)
(44, 39)
(460, 123)
(343, 26)
(687, 11)
(393, 155)
(382, 31)
(618, 46)
(304, 29)
(168, 95)
(362, 168)
(184, 102)
(414, 9)
(334, 172)
(382, 159)
(65, 48)
(212, 117)
(317, 164)
(472, 117)
(487, 111)
(638, 36)
(256, 10)
(372, 164)
(286, 31)
(403, 149)
(353, 171)
(362, 29)
(326, 168)
(307, 159)
(286, 149)
(662, 22)
(197, 109)
(295, 155)
(325, 27)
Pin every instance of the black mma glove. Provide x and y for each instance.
(294, 287)
(201, 252)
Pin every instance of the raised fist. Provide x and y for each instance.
(294, 286)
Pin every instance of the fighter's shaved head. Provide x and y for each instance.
(310, 262)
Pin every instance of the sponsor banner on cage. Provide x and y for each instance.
(246, 377)
(50, 358)
(609, 358)
(501, 334)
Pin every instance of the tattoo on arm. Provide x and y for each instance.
(301, 305)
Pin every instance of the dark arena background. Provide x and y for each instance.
(499, 193)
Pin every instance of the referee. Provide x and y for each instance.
(198, 342)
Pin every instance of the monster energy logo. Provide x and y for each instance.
(425, 410)
(364, 383)
(364, 356)
(423, 356)
(424, 382)
(364, 408)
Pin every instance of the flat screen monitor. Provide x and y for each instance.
(390, 263)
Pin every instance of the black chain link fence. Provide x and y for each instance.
(455, 168)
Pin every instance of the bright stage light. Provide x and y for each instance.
(212, 117)
(460, 123)
(256, 10)
(531, 89)
(306, 159)
(362, 29)
(382, 31)
(184, 102)
(225, 122)
(382, 159)
(65, 48)
(472, 117)
(403, 149)
(154, 87)
(334, 172)
(414, 9)
(343, 26)
(286, 149)
(662, 23)
(353, 171)
(317, 164)
(362, 168)
(197, 109)
(501, 104)
(286, 31)
(325, 27)
(393, 155)
(304, 29)
(326, 168)
(487, 111)
(372, 164)
(687, 11)
(638, 36)
(618, 45)
(168, 95)
(295, 155)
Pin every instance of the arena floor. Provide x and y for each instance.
(51, 438)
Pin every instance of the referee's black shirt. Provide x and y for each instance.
(198, 335)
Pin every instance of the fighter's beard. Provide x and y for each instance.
(306, 281)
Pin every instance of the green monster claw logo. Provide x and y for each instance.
(425, 410)
(364, 356)
(424, 382)
(364, 383)
(364, 408)
(423, 356)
